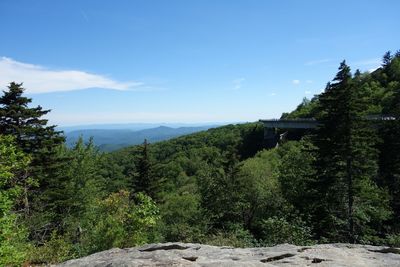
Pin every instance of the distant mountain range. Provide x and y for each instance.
(115, 138)
(136, 126)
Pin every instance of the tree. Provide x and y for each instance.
(119, 220)
(351, 203)
(145, 181)
(31, 132)
(217, 187)
(32, 135)
(387, 58)
(296, 172)
(73, 188)
(390, 147)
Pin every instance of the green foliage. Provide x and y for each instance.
(307, 109)
(235, 237)
(30, 130)
(278, 230)
(347, 164)
(13, 235)
(56, 249)
(261, 192)
(181, 218)
(144, 180)
(393, 240)
(71, 190)
(296, 174)
(118, 221)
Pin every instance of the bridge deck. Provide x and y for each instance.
(310, 123)
(270, 126)
(291, 124)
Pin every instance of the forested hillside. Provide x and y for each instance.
(339, 183)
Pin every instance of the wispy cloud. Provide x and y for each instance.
(296, 82)
(307, 92)
(237, 83)
(309, 81)
(317, 62)
(272, 94)
(39, 79)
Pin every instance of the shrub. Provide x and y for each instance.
(278, 230)
(57, 249)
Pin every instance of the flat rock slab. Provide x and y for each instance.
(186, 254)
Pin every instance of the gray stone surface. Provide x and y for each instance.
(185, 254)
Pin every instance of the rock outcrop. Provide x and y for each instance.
(183, 254)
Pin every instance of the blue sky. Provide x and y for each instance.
(186, 61)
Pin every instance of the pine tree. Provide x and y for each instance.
(32, 135)
(144, 180)
(346, 164)
(387, 58)
(26, 124)
(390, 147)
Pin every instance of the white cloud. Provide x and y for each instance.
(309, 81)
(272, 94)
(307, 92)
(38, 79)
(296, 82)
(237, 83)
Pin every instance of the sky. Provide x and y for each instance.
(186, 61)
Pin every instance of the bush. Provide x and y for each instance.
(57, 249)
(118, 221)
(13, 236)
(393, 240)
(13, 245)
(234, 237)
(278, 230)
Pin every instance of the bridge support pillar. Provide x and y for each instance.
(270, 137)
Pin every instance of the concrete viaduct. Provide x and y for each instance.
(270, 126)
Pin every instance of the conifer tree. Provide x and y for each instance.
(390, 147)
(346, 164)
(145, 181)
(32, 135)
(26, 124)
(387, 58)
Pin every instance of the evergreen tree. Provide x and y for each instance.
(145, 180)
(31, 132)
(387, 58)
(73, 189)
(32, 135)
(346, 164)
(390, 147)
